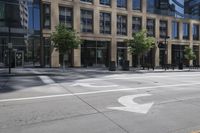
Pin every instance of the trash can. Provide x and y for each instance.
(180, 66)
(125, 65)
(112, 66)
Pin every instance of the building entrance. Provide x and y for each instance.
(121, 53)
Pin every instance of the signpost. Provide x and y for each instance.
(10, 45)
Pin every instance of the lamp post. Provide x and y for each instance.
(9, 56)
(166, 50)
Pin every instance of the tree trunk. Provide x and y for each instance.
(138, 58)
(63, 64)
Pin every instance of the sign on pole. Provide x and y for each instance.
(10, 45)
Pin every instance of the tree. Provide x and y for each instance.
(139, 44)
(65, 39)
(189, 54)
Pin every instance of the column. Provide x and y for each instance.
(129, 17)
(191, 40)
(180, 31)
(169, 45)
(144, 6)
(157, 36)
(54, 23)
(169, 53)
(96, 16)
(77, 52)
(114, 32)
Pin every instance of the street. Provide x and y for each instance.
(100, 102)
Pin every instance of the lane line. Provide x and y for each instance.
(94, 92)
(129, 77)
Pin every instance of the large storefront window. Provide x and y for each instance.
(196, 52)
(95, 53)
(121, 53)
(178, 55)
(47, 52)
(22, 17)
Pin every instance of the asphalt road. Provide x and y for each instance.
(100, 103)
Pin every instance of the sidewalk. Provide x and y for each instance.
(59, 71)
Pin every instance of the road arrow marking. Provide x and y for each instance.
(131, 106)
(90, 85)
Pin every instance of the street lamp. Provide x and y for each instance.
(166, 50)
(9, 56)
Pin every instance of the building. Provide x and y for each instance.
(103, 25)
(19, 26)
(192, 7)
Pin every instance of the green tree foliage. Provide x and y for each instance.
(65, 39)
(189, 54)
(139, 44)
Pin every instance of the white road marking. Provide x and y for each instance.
(131, 106)
(46, 80)
(95, 92)
(94, 86)
(130, 77)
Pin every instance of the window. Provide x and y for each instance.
(105, 23)
(186, 31)
(121, 25)
(136, 4)
(87, 21)
(151, 6)
(122, 3)
(66, 16)
(105, 2)
(175, 30)
(136, 24)
(150, 27)
(89, 1)
(46, 16)
(195, 32)
(163, 29)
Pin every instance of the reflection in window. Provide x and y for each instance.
(66, 16)
(150, 27)
(105, 2)
(186, 31)
(121, 25)
(122, 3)
(136, 4)
(105, 23)
(86, 21)
(90, 1)
(137, 24)
(163, 29)
(175, 30)
(195, 32)
(46, 16)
